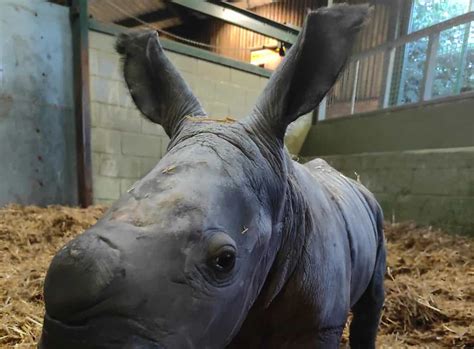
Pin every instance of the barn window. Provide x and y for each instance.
(454, 56)
(426, 13)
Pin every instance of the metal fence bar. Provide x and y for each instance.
(437, 28)
(389, 56)
(463, 58)
(322, 108)
(388, 77)
(430, 67)
(354, 88)
(354, 74)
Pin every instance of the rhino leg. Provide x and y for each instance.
(367, 311)
(329, 338)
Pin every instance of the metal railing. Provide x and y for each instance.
(376, 78)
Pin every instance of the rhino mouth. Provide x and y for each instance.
(97, 333)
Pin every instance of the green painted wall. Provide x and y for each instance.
(432, 187)
(445, 124)
(419, 162)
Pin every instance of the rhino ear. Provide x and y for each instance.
(310, 68)
(157, 88)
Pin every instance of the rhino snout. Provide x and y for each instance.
(79, 274)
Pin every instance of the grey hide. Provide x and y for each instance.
(227, 243)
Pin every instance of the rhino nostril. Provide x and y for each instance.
(78, 275)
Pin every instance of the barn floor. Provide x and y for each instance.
(430, 279)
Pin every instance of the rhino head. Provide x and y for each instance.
(179, 260)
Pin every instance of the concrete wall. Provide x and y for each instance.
(433, 187)
(125, 146)
(419, 162)
(36, 104)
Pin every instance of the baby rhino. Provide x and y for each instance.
(227, 243)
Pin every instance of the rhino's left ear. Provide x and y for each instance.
(310, 68)
(157, 88)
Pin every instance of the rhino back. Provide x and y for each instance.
(346, 229)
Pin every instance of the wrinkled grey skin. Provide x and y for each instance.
(156, 271)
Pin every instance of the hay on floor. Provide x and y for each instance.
(429, 282)
(29, 237)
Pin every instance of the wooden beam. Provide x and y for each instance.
(191, 51)
(241, 18)
(80, 39)
(249, 4)
(103, 11)
(166, 23)
(155, 16)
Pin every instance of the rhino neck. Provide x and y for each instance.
(295, 225)
(293, 219)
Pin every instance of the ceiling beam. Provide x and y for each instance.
(253, 3)
(155, 16)
(242, 18)
(104, 11)
(166, 23)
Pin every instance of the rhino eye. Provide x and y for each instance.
(224, 262)
(221, 255)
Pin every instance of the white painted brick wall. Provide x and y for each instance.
(137, 144)
(125, 145)
(105, 141)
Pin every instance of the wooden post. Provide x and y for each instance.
(80, 38)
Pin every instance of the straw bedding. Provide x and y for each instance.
(429, 283)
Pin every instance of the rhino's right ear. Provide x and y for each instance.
(157, 88)
(310, 68)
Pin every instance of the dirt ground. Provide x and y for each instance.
(429, 282)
